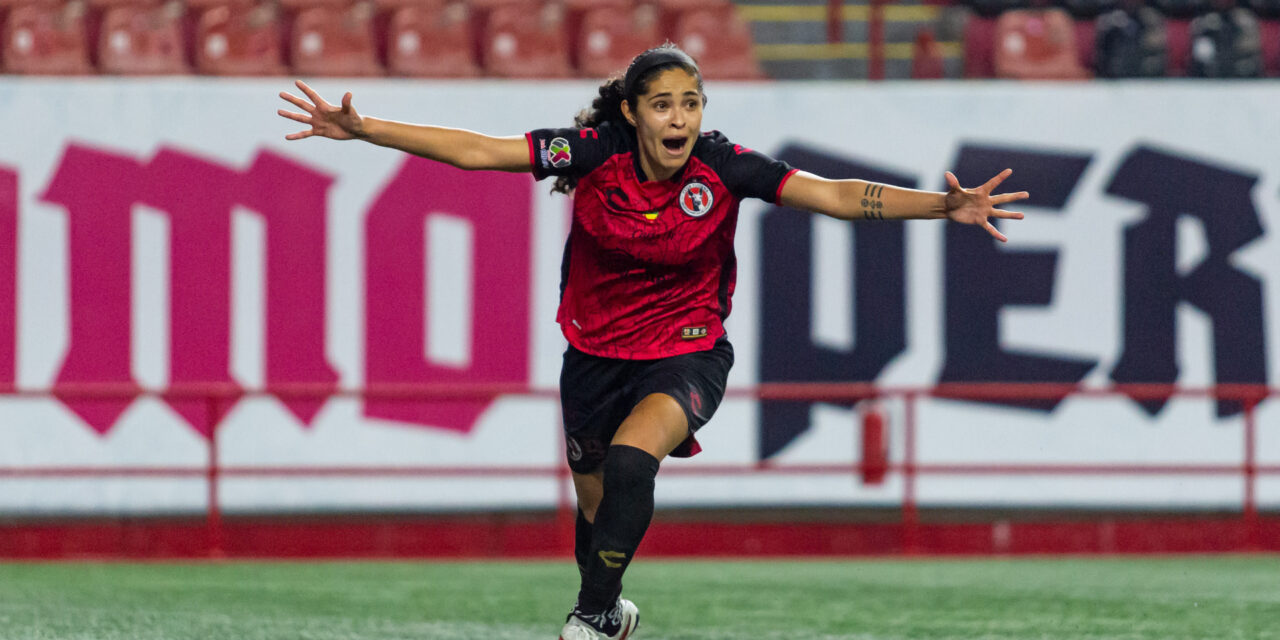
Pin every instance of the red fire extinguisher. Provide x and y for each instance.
(875, 443)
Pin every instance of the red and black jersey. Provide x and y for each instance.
(649, 266)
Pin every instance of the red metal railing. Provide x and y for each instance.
(218, 398)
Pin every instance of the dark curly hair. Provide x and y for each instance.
(607, 106)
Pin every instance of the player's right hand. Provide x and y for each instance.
(329, 121)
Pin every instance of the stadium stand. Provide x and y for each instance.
(1177, 36)
(1265, 9)
(1130, 42)
(993, 8)
(1269, 33)
(744, 39)
(1225, 43)
(1181, 8)
(239, 40)
(334, 41)
(927, 58)
(979, 47)
(46, 38)
(720, 40)
(514, 46)
(1037, 44)
(1088, 9)
(432, 39)
(608, 37)
(142, 39)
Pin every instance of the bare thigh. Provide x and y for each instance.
(656, 425)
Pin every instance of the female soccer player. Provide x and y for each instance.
(647, 277)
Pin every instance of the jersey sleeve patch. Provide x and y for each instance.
(568, 152)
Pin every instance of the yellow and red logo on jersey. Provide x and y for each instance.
(696, 199)
(693, 333)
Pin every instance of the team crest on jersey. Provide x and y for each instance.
(559, 153)
(696, 199)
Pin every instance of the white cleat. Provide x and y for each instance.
(625, 615)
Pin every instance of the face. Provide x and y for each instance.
(668, 119)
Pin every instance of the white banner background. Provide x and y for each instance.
(914, 129)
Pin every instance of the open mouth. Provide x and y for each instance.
(676, 144)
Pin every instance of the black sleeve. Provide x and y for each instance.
(570, 152)
(746, 173)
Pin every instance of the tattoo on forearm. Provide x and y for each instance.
(872, 205)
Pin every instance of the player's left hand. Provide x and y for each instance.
(975, 206)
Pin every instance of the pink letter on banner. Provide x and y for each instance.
(198, 196)
(8, 277)
(294, 200)
(98, 190)
(498, 206)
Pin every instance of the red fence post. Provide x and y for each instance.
(875, 444)
(910, 514)
(875, 40)
(1253, 526)
(835, 21)
(213, 517)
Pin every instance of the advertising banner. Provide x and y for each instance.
(161, 236)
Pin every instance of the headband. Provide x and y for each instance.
(650, 59)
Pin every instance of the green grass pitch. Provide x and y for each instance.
(1129, 598)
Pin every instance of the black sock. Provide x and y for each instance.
(621, 520)
(582, 543)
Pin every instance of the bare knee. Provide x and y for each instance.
(590, 489)
(656, 426)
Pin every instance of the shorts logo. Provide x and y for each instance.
(559, 153)
(693, 333)
(575, 450)
(696, 199)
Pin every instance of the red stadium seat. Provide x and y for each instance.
(239, 40)
(517, 45)
(926, 57)
(587, 5)
(1177, 35)
(979, 47)
(1037, 44)
(1269, 31)
(610, 37)
(431, 40)
(483, 6)
(138, 39)
(720, 40)
(331, 41)
(1085, 32)
(194, 7)
(298, 5)
(686, 5)
(45, 38)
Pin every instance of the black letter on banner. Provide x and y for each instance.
(982, 279)
(787, 351)
(1171, 186)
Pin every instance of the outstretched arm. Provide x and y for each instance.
(853, 199)
(458, 147)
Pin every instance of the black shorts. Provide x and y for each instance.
(597, 394)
